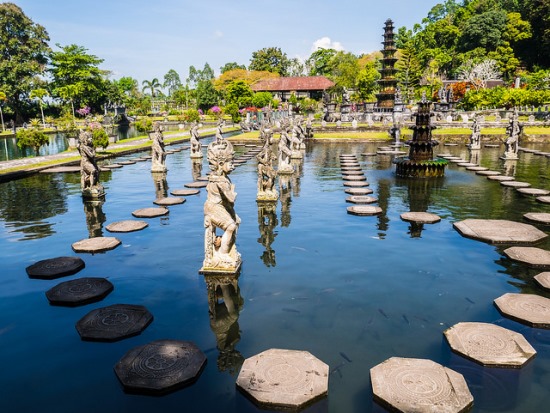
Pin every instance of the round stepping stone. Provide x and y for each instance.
(114, 322)
(364, 210)
(491, 146)
(420, 217)
(476, 168)
(79, 292)
(490, 345)
(197, 184)
(352, 171)
(538, 217)
(451, 157)
(488, 173)
(141, 159)
(97, 244)
(368, 154)
(185, 192)
(543, 279)
(361, 199)
(150, 212)
(530, 309)
(419, 385)
(127, 162)
(501, 178)
(350, 165)
(160, 367)
(450, 144)
(497, 231)
(55, 267)
(533, 191)
(202, 178)
(127, 226)
(288, 379)
(543, 199)
(459, 160)
(358, 191)
(170, 200)
(443, 155)
(356, 184)
(354, 177)
(112, 166)
(347, 155)
(515, 184)
(467, 164)
(147, 157)
(532, 256)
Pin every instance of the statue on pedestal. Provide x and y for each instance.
(157, 149)
(512, 142)
(266, 173)
(219, 129)
(195, 150)
(89, 171)
(220, 252)
(475, 138)
(285, 150)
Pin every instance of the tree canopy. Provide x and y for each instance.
(270, 59)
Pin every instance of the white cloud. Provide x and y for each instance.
(326, 43)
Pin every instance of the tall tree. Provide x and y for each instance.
(153, 86)
(172, 81)
(231, 66)
(40, 94)
(319, 63)
(270, 59)
(24, 49)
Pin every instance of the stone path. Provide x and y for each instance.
(499, 231)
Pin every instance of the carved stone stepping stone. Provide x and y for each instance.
(419, 385)
(196, 184)
(55, 267)
(160, 367)
(185, 192)
(354, 177)
(364, 210)
(451, 157)
(283, 379)
(543, 199)
(79, 292)
(202, 178)
(348, 155)
(169, 200)
(358, 191)
(368, 154)
(114, 322)
(501, 178)
(420, 217)
(97, 244)
(488, 173)
(127, 162)
(352, 171)
(499, 231)
(532, 256)
(538, 217)
(476, 168)
(443, 155)
(515, 184)
(350, 164)
(533, 191)
(490, 345)
(113, 166)
(129, 225)
(543, 279)
(530, 309)
(150, 212)
(467, 164)
(147, 157)
(361, 199)
(356, 184)
(61, 169)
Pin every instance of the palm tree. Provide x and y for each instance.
(3, 98)
(153, 85)
(40, 94)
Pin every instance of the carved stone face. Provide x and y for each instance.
(227, 166)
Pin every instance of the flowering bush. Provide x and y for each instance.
(84, 111)
(192, 115)
(215, 111)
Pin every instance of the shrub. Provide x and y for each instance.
(31, 138)
(144, 125)
(233, 110)
(99, 136)
(191, 115)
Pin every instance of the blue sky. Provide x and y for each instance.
(144, 39)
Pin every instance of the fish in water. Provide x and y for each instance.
(406, 319)
(382, 312)
(299, 248)
(469, 300)
(345, 357)
(337, 369)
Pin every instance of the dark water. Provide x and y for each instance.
(351, 290)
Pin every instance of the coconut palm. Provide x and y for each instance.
(40, 94)
(153, 86)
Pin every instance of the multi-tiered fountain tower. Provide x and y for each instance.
(420, 163)
(388, 83)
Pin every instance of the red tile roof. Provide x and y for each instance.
(293, 84)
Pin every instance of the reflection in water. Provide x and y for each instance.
(224, 304)
(95, 217)
(510, 167)
(384, 188)
(161, 185)
(286, 199)
(197, 168)
(267, 221)
(298, 165)
(474, 156)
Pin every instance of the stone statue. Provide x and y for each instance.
(89, 171)
(195, 150)
(285, 150)
(220, 252)
(475, 138)
(309, 129)
(296, 140)
(157, 149)
(219, 129)
(512, 142)
(266, 173)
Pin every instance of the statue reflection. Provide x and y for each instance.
(384, 195)
(474, 157)
(95, 218)
(267, 221)
(295, 177)
(285, 197)
(161, 185)
(510, 167)
(224, 304)
(196, 169)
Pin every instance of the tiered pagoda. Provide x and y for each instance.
(420, 163)
(388, 83)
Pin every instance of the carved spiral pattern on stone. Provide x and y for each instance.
(290, 378)
(155, 362)
(426, 386)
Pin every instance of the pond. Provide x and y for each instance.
(351, 290)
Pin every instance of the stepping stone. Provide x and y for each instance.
(538, 217)
(532, 256)
(530, 309)
(288, 379)
(113, 166)
(361, 199)
(202, 178)
(368, 154)
(127, 226)
(515, 184)
(196, 184)
(488, 173)
(114, 322)
(147, 157)
(356, 184)
(544, 199)
(358, 191)
(460, 160)
(450, 144)
(55, 267)
(169, 200)
(127, 162)
(490, 345)
(352, 165)
(451, 157)
(348, 155)
(185, 192)
(364, 210)
(443, 155)
(476, 168)
(354, 177)
(420, 217)
(491, 146)
(499, 231)
(501, 178)
(419, 385)
(141, 159)
(160, 367)
(467, 164)
(97, 244)
(352, 171)
(150, 212)
(79, 292)
(543, 279)
(533, 191)
(61, 169)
